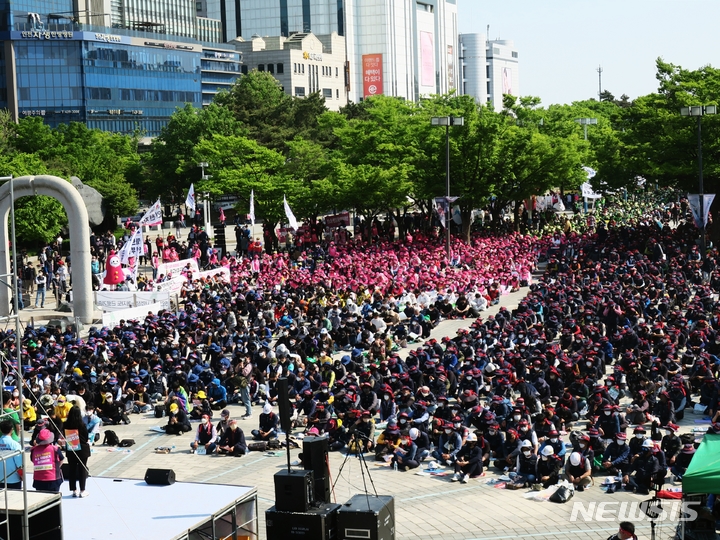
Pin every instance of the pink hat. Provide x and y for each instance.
(45, 437)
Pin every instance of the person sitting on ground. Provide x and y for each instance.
(578, 470)
(205, 436)
(233, 442)
(469, 461)
(268, 425)
(178, 421)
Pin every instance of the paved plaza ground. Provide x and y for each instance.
(427, 507)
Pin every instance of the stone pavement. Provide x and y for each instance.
(427, 507)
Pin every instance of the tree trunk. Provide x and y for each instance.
(466, 215)
(516, 216)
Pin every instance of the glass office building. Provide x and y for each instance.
(115, 79)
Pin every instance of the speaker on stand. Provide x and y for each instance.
(294, 491)
(315, 459)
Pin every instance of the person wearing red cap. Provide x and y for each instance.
(682, 462)
(361, 434)
(615, 459)
(671, 443)
(644, 468)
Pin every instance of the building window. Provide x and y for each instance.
(488, 88)
(271, 68)
(303, 68)
(336, 72)
(261, 67)
(300, 91)
(514, 54)
(244, 70)
(198, 6)
(487, 72)
(327, 93)
(280, 69)
(337, 94)
(496, 51)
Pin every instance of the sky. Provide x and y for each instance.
(561, 43)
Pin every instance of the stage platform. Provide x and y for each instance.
(129, 509)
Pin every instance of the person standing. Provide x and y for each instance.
(41, 284)
(13, 467)
(47, 457)
(78, 451)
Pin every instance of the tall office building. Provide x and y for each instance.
(116, 65)
(403, 48)
(302, 63)
(490, 69)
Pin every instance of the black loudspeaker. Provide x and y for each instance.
(315, 524)
(159, 477)
(367, 517)
(314, 458)
(294, 491)
(284, 404)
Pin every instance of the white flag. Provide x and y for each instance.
(152, 216)
(190, 200)
(290, 216)
(133, 247)
(589, 171)
(252, 207)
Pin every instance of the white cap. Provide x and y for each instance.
(526, 444)
(471, 437)
(548, 450)
(575, 458)
(414, 433)
(267, 408)
(648, 444)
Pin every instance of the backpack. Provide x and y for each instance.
(159, 411)
(125, 443)
(111, 438)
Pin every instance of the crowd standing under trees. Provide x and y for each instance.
(378, 157)
(620, 333)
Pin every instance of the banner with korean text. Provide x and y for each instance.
(372, 68)
(116, 300)
(172, 269)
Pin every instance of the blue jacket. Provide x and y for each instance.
(216, 391)
(8, 444)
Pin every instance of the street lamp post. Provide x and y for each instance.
(447, 121)
(584, 122)
(699, 111)
(206, 200)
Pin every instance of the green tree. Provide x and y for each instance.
(171, 166)
(39, 218)
(238, 165)
(271, 116)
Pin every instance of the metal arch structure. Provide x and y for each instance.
(68, 196)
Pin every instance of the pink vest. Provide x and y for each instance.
(45, 462)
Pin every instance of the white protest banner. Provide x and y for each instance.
(172, 269)
(171, 286)
(133, 247)
(251, 215)
(222, 272)
(113, 318)
(289, 214)
(190, 199)
(116, 300)
(152, 216)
